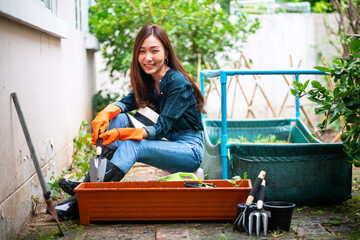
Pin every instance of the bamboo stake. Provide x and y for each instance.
(207, 92)
(337, 137)
(257, 85)
(287, 95)
(254, 91)
(242, 89)
(247, 101)
(251, 101)
(213, 81)
(267, 100)
(283, 104)
(307, 117)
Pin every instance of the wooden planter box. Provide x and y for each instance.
(155, 201)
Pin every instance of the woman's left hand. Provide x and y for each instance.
(121, 134)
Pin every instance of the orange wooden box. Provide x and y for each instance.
(155, 201)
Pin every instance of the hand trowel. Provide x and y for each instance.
(98, 165)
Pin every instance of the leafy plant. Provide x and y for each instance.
(83, 151)
(322, 7)
(53, 185)
(194, 27)
(343, 101)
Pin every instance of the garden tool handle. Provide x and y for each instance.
(262, 174)
(255, 187)
(261, 196)
(99, 144)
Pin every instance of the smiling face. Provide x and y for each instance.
(151, 58)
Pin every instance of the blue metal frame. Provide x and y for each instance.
(223, 80)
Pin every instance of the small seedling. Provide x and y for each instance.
(317, 212)
(301, 209)
(202, 184)
(277, 233)
(235, 181)
(336, 218)
(226, 224)
(35, 204)
(334, 223)
(222, 236)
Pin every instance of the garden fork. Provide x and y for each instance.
(241, 219)
(259, 213)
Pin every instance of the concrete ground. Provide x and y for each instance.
(323, 222)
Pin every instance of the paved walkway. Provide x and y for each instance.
(329, 222)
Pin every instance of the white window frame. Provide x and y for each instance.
(38, 14)
(52, 5)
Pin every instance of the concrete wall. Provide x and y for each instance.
(54, 80)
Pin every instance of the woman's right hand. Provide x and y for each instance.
(101, 121)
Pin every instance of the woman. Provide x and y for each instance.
(159, 82)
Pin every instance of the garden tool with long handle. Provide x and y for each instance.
(252, 194)
(98, 165)
(259, 213)
(46, 192)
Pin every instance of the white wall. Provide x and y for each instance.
(54, 81)
(301, 35)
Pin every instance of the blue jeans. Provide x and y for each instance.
(182, 153)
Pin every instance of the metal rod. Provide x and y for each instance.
(31, 146)
(297, 101)
(224, 137)
(202, 88)
(216, 73)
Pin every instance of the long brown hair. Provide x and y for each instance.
(142, 82)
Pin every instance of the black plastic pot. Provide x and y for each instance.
(281, 214)
(198, 185)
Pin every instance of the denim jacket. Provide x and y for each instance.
(176, 102)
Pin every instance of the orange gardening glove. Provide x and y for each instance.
(122, 134)
(101, 121)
